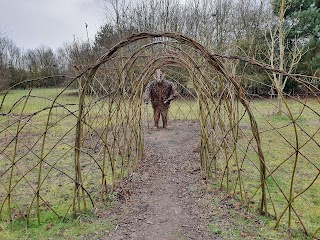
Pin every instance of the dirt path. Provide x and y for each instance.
(168, 199)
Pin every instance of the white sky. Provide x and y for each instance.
(32, 23)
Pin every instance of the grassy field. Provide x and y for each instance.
(291, 155)
(26, 117)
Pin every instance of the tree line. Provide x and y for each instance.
(250, 28)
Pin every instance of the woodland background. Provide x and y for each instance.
(249, 28)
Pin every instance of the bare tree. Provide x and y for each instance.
(10, 58)
(281, 57)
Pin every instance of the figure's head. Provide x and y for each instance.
(159, 75)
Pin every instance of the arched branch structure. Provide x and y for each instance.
(88, 137)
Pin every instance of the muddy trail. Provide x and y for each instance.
(167, 199)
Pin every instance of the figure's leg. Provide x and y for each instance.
(164, 115)
(156, 116)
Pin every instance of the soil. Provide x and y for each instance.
(167, 198)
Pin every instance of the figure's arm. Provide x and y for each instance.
(146, 94)
(173, 94)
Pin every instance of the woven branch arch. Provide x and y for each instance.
(108, 124)
(214, 63)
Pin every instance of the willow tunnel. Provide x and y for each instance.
(104, 120)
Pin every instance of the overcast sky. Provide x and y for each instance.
(32, 23)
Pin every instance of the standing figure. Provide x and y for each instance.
(161, 92)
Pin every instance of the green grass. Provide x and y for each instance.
(278, 142)
(233, 221)
(180, 109)
(58, 166)
(57, 188)
(214, 229)
(37, 99)
(86, 226)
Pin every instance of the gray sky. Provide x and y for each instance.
(32, 23)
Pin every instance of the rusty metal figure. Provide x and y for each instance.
(161, 92)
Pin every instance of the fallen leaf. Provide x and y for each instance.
(49, 226)
(243, 235)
